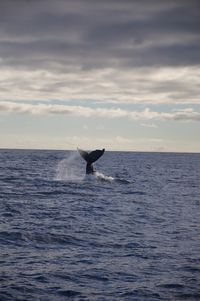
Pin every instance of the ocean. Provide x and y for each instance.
(130, 233)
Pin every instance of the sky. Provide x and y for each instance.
(120, 75)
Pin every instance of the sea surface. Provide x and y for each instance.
(132, 232)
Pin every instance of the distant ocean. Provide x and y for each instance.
(131, 233)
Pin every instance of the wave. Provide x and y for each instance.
(18, 237)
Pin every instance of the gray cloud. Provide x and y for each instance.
(95, 34)
(76, 41)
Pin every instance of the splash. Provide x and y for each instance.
(68, 169)
(100, 176)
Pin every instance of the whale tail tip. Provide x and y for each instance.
(90, 158)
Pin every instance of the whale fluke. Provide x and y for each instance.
(90, 158)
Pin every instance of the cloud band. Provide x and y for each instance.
(54, 109)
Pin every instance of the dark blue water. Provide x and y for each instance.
(132, 234)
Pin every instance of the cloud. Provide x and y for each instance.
(108, 51)
(53, 109)
(140, 85)
(149, 125)
(94, 34)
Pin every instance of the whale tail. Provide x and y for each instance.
(90, 158)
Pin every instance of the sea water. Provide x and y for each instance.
(131, 232)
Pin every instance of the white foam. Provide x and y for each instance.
(102, 177)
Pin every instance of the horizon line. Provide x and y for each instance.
(125, 151)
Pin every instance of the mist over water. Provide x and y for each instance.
(68, 168)
(131, 232)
